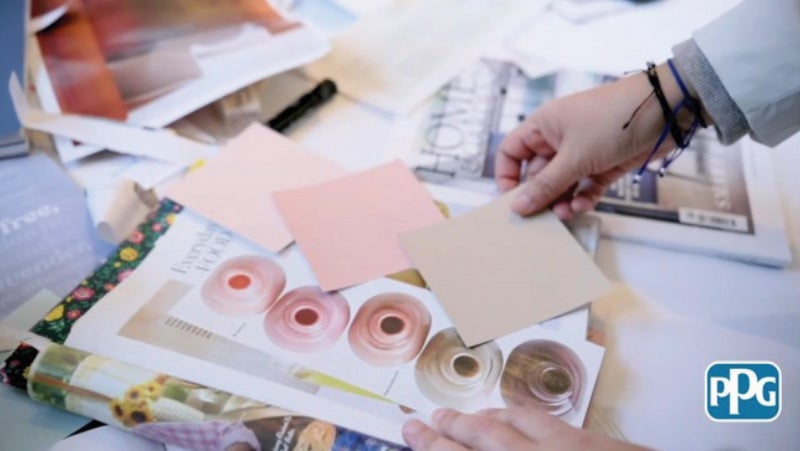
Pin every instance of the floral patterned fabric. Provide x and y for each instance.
(57, 324)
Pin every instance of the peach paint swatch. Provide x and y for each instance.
(495, 272)
(234, 188)
(348, 228)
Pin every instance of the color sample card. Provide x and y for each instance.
(496, 273)
(388, 337)
(348, 228)
(233, 189)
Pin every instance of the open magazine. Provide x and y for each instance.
(121, 335)
(149, 65)
(715, 200)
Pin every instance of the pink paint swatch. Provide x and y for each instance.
(348, 228)
(244, 285)
(389, 329)
(307, 319)
(233, 189)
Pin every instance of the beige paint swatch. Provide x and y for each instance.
(348, 228)
(495, 272)
(234, 189)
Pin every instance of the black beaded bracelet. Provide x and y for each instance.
(671, 127)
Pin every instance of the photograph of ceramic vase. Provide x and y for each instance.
(244, 285)
(307, 319)
(452, 375)
(389, 329)
(543, 374)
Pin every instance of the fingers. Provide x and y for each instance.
(521, 145)
(478, 431)
(420, 437)
(589, 193)
(545, 186)
(532, 423)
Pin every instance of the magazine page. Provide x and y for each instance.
(138, 330)
(717, 200)
(177, 412)
(713, 199)
(385, 336)
(379, 60)
(192, 254)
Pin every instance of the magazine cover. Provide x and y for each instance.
(714, 199)
(47, 237)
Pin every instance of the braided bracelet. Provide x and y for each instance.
(671, 127)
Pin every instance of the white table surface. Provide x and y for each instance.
(670, 315)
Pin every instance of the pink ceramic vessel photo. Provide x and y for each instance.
(389, 329)
(244, 285)
(307, 319)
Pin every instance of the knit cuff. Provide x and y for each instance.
(696, 71)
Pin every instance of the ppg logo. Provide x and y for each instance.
(743, 391)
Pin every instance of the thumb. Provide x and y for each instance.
(545, 186)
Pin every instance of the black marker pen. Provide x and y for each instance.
(310, 100)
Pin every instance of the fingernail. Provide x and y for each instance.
(412, 428)
(563, 212)
(522, 204)
(581, 205)
(412, 431)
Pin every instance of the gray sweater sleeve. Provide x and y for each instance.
(695, 70)
(745, 64)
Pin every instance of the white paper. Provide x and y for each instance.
(362, 7)
(617, 43)
(766, 244)
(161, 145)
(118, 208)
(41, 22)
(584, 10)
(30, 312)
(104, 168)
(105, 438)
(225, 72)
(401, 55)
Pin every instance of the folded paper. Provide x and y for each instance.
(118, 207)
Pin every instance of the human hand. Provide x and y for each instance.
(515, 428)
(573, 148)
